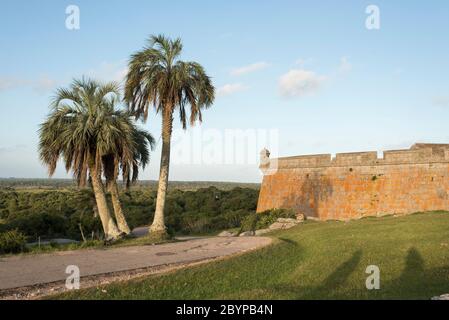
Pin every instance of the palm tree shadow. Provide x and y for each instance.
(413, 277)
(340, 276)
(414, 266)
(335, 280)
(289, 241)
(414, 282)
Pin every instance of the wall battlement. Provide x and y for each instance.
(418, 153)
(358, 184)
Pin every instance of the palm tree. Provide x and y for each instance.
(157, 77)
(142, 141)
(82, 127)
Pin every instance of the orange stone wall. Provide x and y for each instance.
(357, 185)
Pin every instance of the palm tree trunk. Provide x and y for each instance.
(118, 211)
(109, 227)
(158, 224)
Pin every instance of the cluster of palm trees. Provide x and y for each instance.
(96, 139)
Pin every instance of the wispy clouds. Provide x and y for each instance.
(7, 83)
(229, 89)
(398, 71)
(106, 71)
(302, 62)
(109, 71)
(441, 101)
(41, 84)
(300, 82)
(345, 66)
(249, 68)
(13, 148)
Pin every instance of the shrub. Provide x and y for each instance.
(262, 220)
(267, 218)
(249, 223)
(12, 241)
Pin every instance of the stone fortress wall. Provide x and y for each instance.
(356, 185)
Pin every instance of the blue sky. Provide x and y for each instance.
(309, 70)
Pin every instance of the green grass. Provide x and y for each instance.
(316, 260)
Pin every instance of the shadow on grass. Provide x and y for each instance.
(338, 278)
(414, 282)
(412, 279)
(289, 241)
(341, 274)
(335, 280)
(414, 266)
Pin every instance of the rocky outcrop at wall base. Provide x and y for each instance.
(356, 185)
(442, 297)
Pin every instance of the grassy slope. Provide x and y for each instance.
(315, 260)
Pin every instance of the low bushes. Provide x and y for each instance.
(12, 241)
(263, 220)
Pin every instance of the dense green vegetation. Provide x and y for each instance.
(64, 213)
(315, 260)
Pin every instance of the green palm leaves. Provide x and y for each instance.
(156, 77)
(83, 126)
(92, 137)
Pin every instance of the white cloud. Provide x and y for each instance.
(230, 88)
(441, 101)
(345, 65)
(300, 82)
(249, 68)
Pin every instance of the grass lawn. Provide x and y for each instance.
(315, 260)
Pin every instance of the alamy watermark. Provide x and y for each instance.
(200, 146)
(72, 282)
(72, 21)
(373, 280)
(372, 22)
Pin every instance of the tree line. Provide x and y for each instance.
(73, 214)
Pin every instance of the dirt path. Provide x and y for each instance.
(31, 270)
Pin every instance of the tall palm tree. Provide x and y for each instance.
(82, 127)
(142, 141)
(157, 77)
